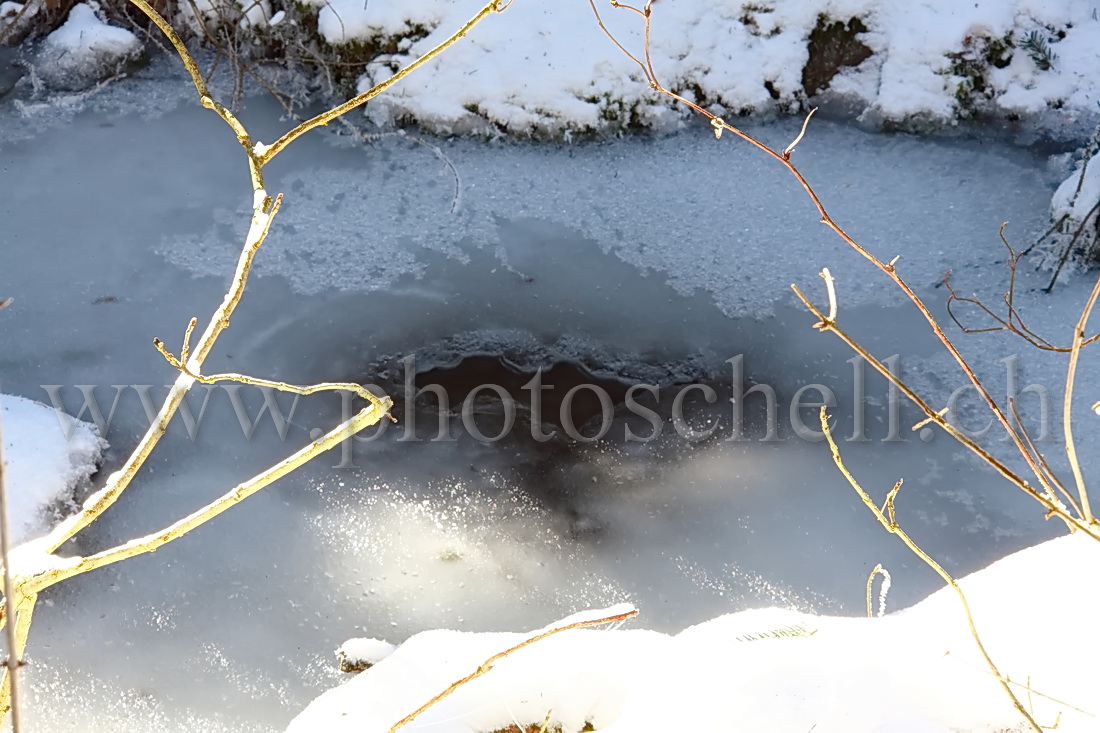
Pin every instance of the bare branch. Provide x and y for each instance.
(888, 269)
(264, 153)
(364, 418)
(890, 525)
(487, 665)
(1053, 507)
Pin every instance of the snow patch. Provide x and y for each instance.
(345, 21)
(44, 467)
(85, 50)
(364, 653)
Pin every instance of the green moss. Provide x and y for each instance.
(971, 66)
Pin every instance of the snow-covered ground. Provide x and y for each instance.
(547, 68)
(934, 60)
(917, 671)
(662, 255)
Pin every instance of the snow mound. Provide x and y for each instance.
(85, 50)
(769, 669)
(49, 456)
(1078, 194)
(358, 654)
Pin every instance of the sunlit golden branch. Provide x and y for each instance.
(265, 153)
(117, 482)
(1067, 401)
(1054, 480)
(181, 365)
(364, 418)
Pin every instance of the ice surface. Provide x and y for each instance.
(49, 458)
(640, 257)
(708, 212)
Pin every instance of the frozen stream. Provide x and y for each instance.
(652, 260)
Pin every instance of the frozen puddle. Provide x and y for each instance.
(665, 262)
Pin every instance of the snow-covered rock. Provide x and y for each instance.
(85, 50)
(49, 456)
(769, 669)
(358, 654)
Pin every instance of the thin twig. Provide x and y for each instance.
(878, 569)
(1054, 480)
(1069, 246)
(181, 365)
(888, 269)
(487, 665)
(15, 658)
(890, 524)
(1054, 507)
(794, 143)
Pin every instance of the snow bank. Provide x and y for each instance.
(44, 467)
(85, 50)
(769, 669)
(547, 68)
